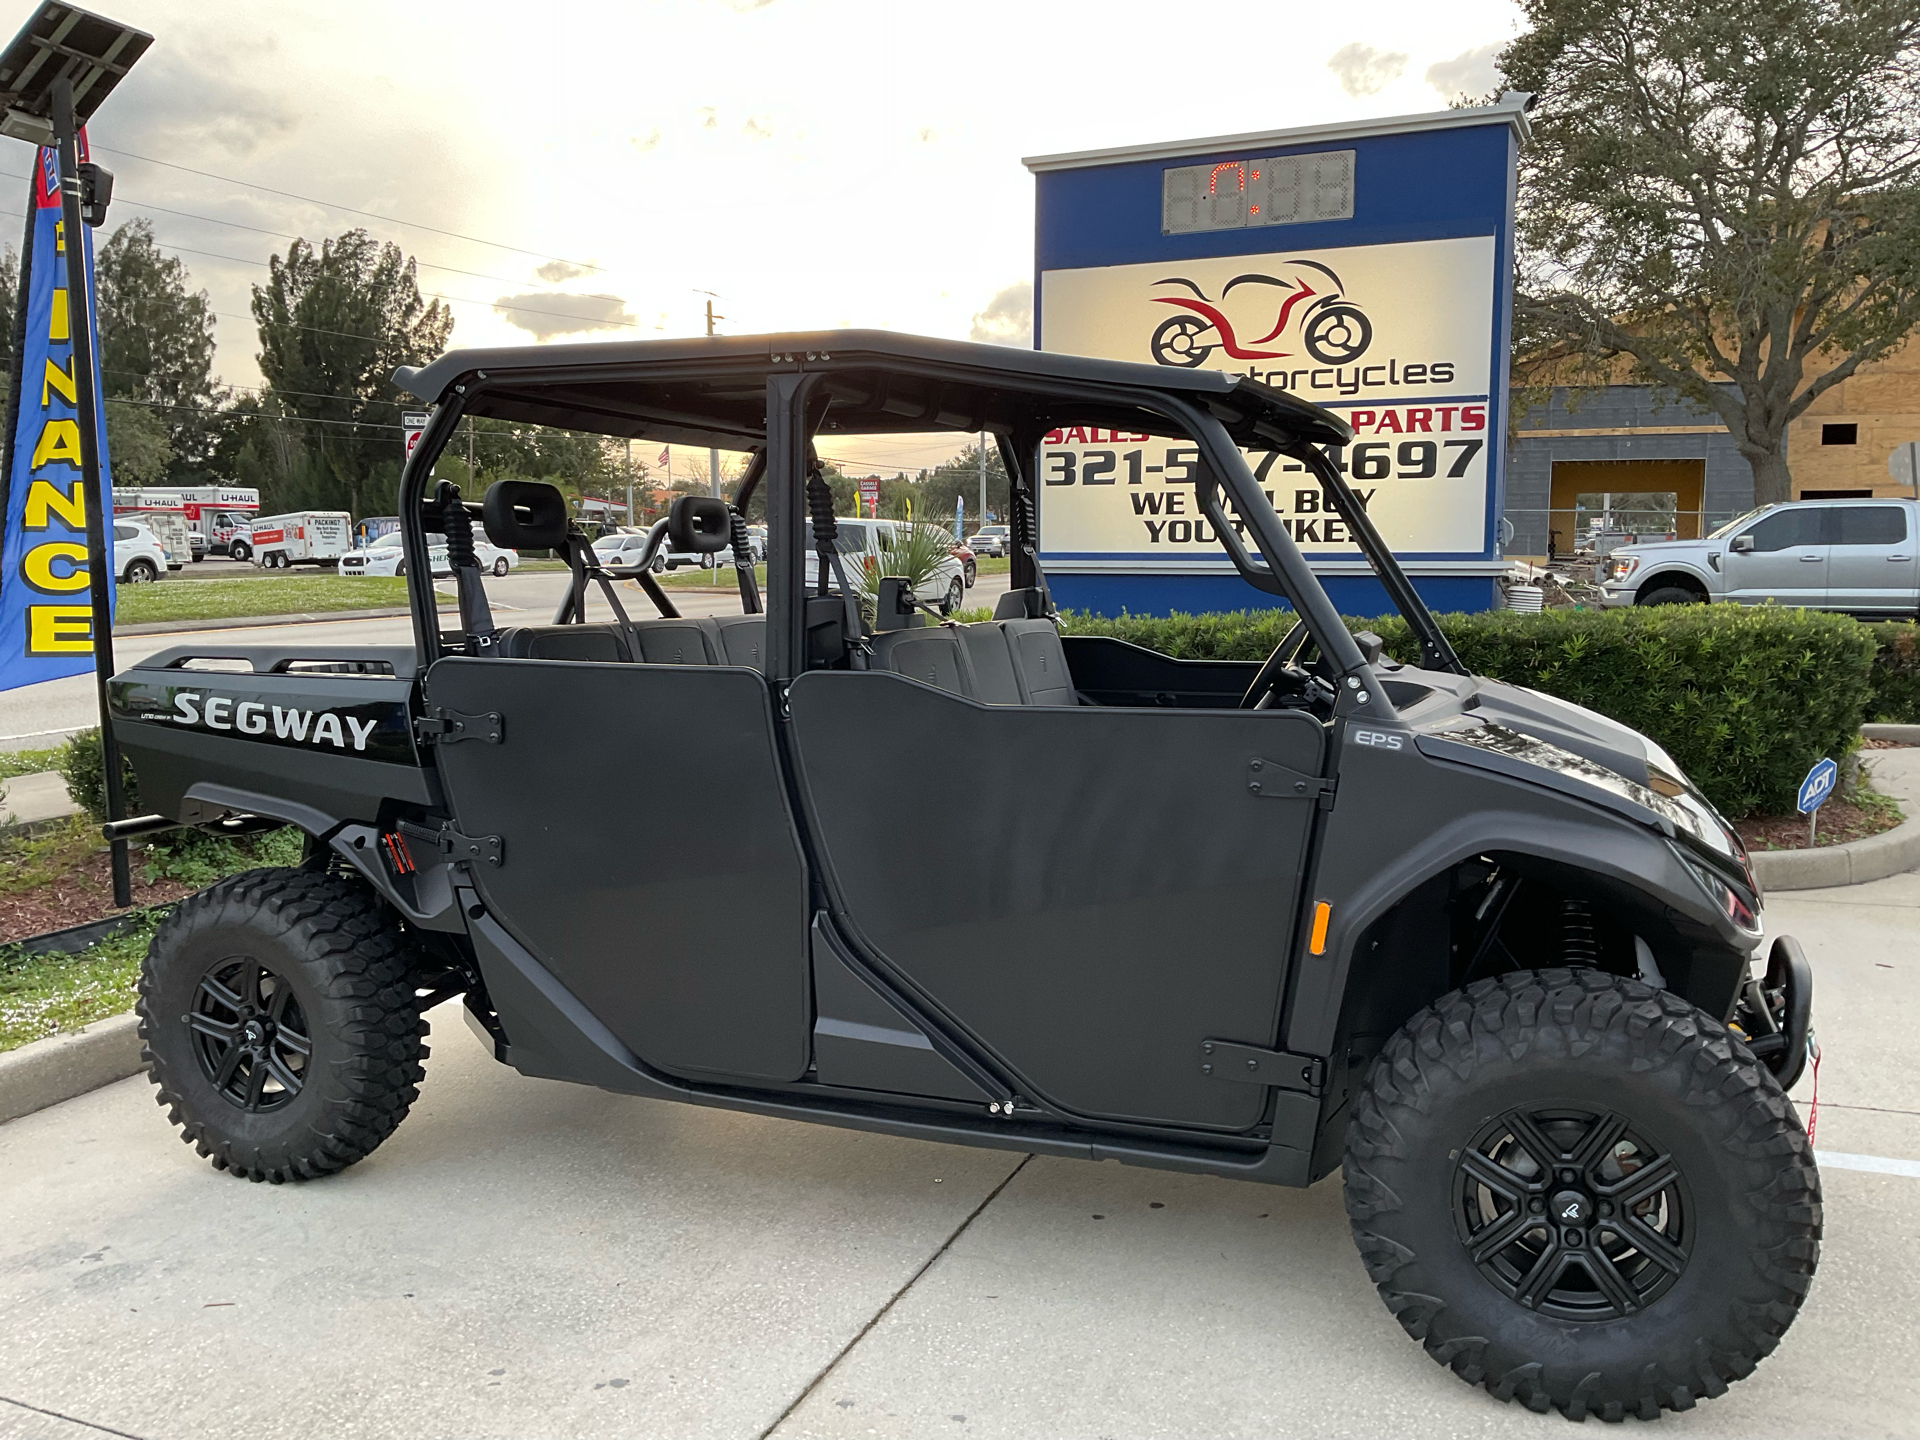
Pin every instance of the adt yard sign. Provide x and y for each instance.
(1818, 785)
(1364, 267)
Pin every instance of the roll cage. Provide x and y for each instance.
(775, 395)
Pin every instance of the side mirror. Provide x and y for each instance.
(700, 525)
(1741, 545)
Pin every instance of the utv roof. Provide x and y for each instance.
(713, 391)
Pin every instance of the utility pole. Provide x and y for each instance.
(983, 481)
(713, 455)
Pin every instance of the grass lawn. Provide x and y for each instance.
(28, 762)
(273, 595)
(43, 995)
(59, 878)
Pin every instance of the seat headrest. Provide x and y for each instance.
(525, 515)
(700, 525)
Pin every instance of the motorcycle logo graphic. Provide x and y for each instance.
(1333, 328)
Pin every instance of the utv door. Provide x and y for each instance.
(1089, 893)
(648, 858)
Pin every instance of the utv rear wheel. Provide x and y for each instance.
(1581, 1192)
(279, 1021)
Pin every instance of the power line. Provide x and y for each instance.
(282, 235)
(351, 210)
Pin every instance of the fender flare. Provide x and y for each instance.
(1613, 850)
(1675, 567)
(425, 898)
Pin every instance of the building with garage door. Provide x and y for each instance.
(1618, 462)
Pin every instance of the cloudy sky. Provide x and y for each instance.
(588, 169)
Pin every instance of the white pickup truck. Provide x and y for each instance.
(1859, 556)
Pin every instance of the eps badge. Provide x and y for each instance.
(1380, 739)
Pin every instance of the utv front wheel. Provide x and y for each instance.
(1581, 1192)
(278, 1019)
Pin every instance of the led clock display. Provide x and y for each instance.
(1241, 194)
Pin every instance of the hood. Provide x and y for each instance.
(1657, 547)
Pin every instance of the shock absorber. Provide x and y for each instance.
(1578, 946)
(826, 530)
(743, 562)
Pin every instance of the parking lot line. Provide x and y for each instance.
(1872, 1164)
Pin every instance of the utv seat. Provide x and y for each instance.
(997, 662)
(724, 640)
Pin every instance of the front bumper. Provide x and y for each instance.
(1615, 595)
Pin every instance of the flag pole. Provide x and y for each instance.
(80, 327)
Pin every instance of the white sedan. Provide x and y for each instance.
(384, 557)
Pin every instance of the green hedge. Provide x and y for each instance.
(1896, 673)
(1745, 699)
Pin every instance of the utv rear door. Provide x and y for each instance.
(647, 855)
(1089, 893)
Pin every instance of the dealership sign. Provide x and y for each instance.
(1363, 268)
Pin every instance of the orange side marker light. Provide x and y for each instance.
(1317, 942)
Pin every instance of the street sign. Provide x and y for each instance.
(414, 424)
(870, 494)
(1818, 785)
(1364, 267)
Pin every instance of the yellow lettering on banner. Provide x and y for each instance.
(37, 568)
(46, 499)
(59, 440)
(57, 318)
(59, 630)
(58, 382)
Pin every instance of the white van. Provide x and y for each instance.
(307, 537)
(861, 541)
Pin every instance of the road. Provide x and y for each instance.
(531, 1258)
(38, 715)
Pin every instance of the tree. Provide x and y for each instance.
(138, 446)
(960, 477)
(156, 347)
(335, 322)
(1723, 192)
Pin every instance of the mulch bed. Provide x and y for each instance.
(84, 894)
(1841, 821)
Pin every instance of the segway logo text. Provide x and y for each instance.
(251, 717)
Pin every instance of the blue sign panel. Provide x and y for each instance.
(1818, 785)
(1363, 267)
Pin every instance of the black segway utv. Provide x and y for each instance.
(1490, 953)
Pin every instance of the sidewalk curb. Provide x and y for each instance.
(1892, 852)
(241, 622)
(1903, 734)
(65, 1066)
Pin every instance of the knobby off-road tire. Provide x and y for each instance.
(1451, 1098)
(310, 962)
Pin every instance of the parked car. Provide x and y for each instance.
(991, 540)
(196, 546)
(968, 565)
(622, 549)
(384, 557)
(862, 541)
(138, 555)
(306, 537)
(1859, 556)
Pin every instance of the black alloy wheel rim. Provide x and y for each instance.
(250, 1035)
(1571, 1212)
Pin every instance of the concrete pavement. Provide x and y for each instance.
(530, 1258)
(37, 715)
